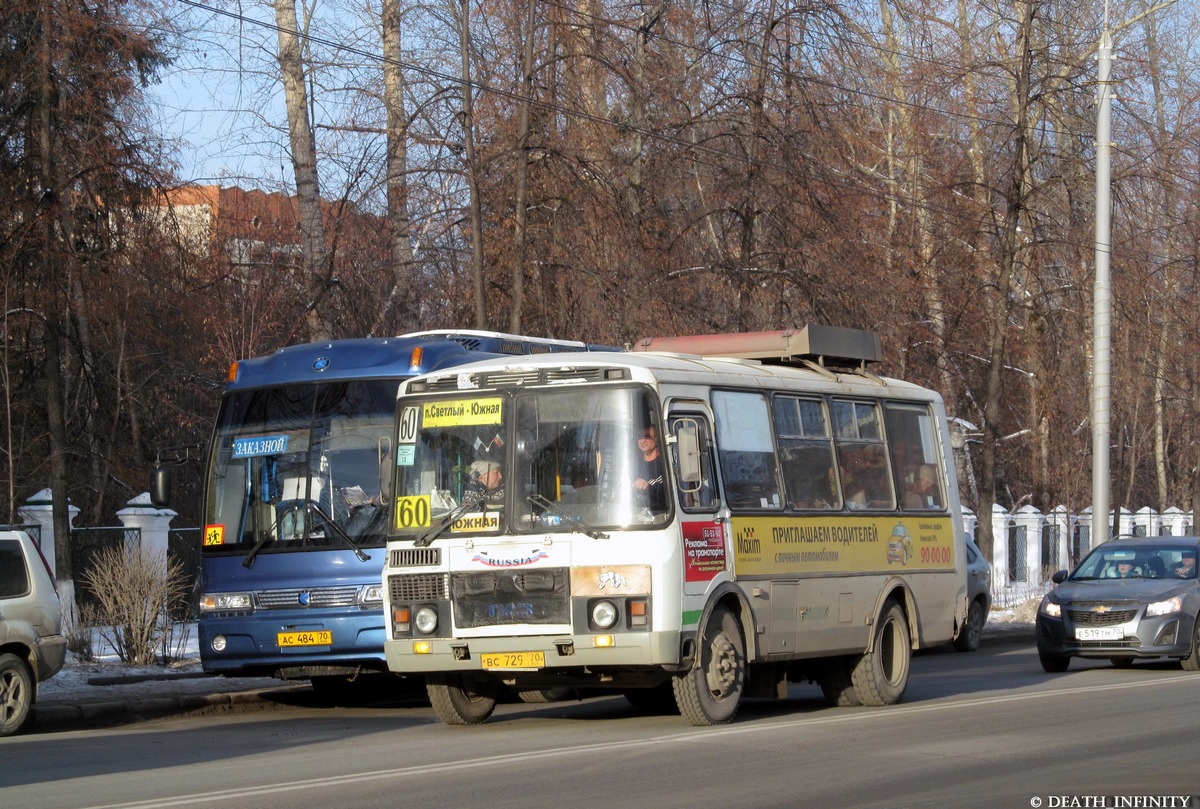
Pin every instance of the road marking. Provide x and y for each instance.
(691, 736)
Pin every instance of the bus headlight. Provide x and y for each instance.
(221, 602)
(604, 614)
(426, 620)
(371, 594)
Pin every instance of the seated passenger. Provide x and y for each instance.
(923, 491)
(1186, 568)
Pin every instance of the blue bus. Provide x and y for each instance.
(294, 509)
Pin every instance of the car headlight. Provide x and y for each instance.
(604, 614)
(1164, 607)
(218, 602)
(1051, 609)
(426, 620)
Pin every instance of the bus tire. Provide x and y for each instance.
(881, 675)
(709, 693)
(462, 699)
(541, 696)
(836, 684)
(16, 694)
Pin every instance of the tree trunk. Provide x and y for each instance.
(406, 297)
(317, 272)
(472, 165)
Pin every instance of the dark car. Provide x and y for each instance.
(979, 599)
(1129, 599)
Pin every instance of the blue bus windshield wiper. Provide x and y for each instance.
(575, 522)
(337, 529)
(447, 521)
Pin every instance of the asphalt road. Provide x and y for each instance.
(988, 729)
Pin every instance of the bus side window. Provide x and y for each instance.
(862, 461)
(806, 453)
(745, 450)
(914, 450)
(693, 475)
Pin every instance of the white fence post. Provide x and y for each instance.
(38, 510)
(153, 523)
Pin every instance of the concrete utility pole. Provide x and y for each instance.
(1102, 296)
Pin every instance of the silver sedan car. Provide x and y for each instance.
(1129, 599)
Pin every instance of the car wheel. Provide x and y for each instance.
(1054, 664)
(972, 631)
(1192, 661)
(16, 694)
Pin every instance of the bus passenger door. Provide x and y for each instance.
(702, 522)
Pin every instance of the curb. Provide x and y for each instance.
(67, 716)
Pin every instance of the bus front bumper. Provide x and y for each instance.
(534, 653)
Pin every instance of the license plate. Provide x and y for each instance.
(1099, 633)
(513, 660)
(321, 637)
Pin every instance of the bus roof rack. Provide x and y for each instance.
(814, 343)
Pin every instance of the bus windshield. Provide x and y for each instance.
(300, 467)
(565, 459)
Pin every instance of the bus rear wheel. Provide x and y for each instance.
(709, 693)
(834, 679)
(462, 699)
(881, 675)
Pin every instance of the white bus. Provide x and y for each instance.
(699, 520)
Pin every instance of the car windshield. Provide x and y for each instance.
(1138, 562)
(300, 466)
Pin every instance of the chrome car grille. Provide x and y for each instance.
(316, 597)
(1098, 614)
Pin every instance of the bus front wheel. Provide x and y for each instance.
(462, 699)
(881, 675)
(709, 693)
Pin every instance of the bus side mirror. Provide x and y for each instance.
(160, 487)
(688, 449)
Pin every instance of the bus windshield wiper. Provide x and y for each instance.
(337, 529)
(575, 522)
(447, 521)
(263, 538)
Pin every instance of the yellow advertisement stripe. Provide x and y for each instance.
(795, 545)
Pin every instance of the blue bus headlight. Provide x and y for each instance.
(222, 602)
(371, 594)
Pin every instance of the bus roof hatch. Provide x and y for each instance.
(826, 345)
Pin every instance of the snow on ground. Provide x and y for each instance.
(107, 678)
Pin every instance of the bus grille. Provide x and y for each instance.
(311, 597)
(503, 597)
(418, 587)
(415, 557)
